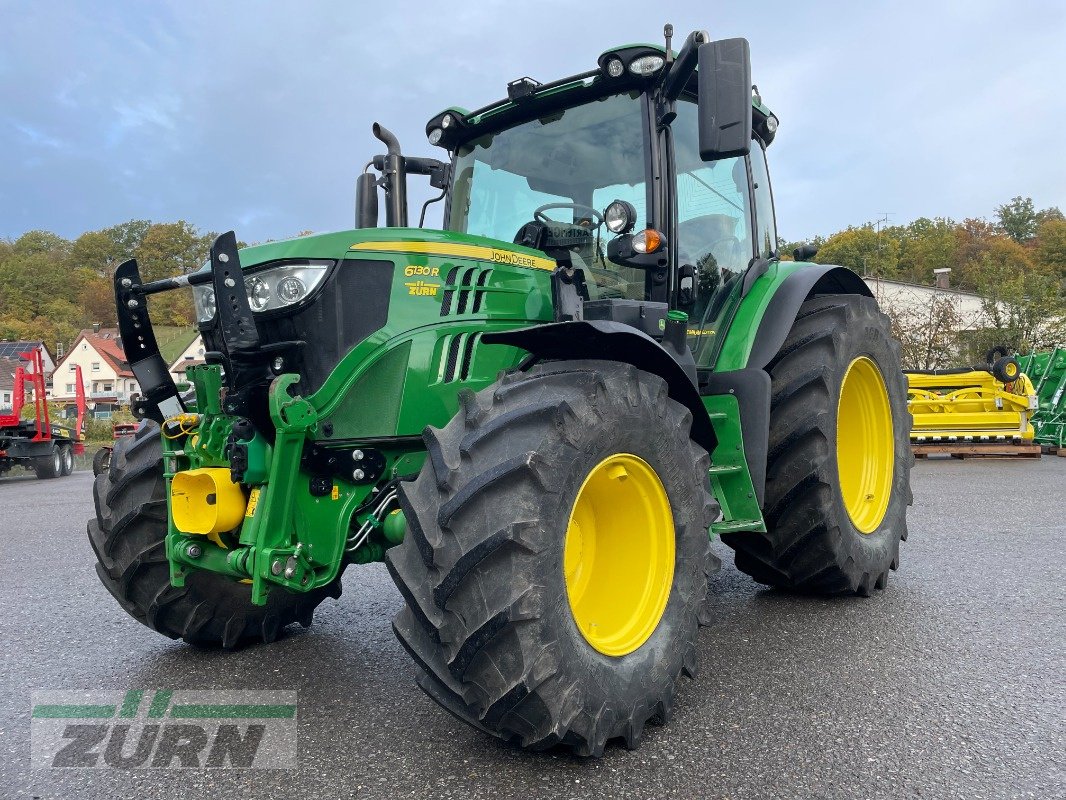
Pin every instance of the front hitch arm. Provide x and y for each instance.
(160, 395)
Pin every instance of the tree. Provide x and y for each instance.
(40, 242)
(127, 236)
(862, 250)
(1051, 248)
(1048, 215)
(929, 335)
(172, 248)
(1017, 219)
(1024, 308)
(926, 245)
(96, 251)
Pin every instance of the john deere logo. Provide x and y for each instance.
(163, 729)
(422, 288)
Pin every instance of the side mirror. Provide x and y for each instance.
(725, 99)
(805, 252)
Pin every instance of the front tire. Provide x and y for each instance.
(839, 461)
(128, 537)
(539, 605)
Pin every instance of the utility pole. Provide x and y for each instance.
(878, 223)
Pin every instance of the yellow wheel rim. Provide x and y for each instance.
(618, 558)
(865, 444)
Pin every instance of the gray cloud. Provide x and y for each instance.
(256, 116)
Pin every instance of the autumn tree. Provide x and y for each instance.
(862, 250)
(926, 245)
(1024, 308)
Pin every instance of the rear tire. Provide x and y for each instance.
(128, 537)
(49, 466)
(488, 614)
(813, 542)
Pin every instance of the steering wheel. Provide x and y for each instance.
(540, 216)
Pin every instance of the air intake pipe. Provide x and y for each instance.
(395, 175)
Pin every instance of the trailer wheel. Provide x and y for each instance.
(51, 465)
(128, 535)
(556, 556)
(101, 460)
(839, 461)
(68, 459)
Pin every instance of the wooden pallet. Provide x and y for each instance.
(976, 450)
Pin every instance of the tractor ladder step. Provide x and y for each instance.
(725, 469)
(737, 526)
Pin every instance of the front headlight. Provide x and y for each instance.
(203, 298)
(269, 289)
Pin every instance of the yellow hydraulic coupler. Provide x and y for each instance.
(206, 501)
(969, 406)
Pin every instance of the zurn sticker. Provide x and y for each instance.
(163, 729)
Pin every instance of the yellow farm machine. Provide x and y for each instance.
(975, 409)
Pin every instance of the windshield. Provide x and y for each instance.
(584, 157)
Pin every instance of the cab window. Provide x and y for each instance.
(714, 230)
(766, 229)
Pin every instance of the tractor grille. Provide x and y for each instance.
(467, 298)
(457, 355)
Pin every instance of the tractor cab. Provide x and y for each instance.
(633, 187)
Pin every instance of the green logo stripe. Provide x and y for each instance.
(131, 703)
(73, 712)
(160, 701)
(233, 711)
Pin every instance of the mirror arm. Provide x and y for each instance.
(684, 65)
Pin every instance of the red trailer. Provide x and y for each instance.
(39, 444)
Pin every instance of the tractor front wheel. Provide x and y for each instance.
(128, 536)
(556, 556)
(838, 466)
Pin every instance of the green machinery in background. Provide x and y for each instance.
(1047, 371)
(537, 416)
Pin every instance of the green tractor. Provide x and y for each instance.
(538, 417)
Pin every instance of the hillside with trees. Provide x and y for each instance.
(51, 287)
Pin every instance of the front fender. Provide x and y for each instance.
(613, 341)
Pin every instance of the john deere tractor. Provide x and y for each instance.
(538, 417)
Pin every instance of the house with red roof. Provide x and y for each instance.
(109, 381)
(105, 372)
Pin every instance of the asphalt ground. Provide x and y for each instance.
(950, 684)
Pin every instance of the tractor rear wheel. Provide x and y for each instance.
(839, 461)
(128, 537)
(556, 556)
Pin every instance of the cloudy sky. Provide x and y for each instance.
(256, 115)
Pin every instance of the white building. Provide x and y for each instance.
(907, 298)
(193, 354)
(106, 375)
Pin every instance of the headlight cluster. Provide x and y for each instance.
(269, 289)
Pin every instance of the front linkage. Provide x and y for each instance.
(236, 503)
